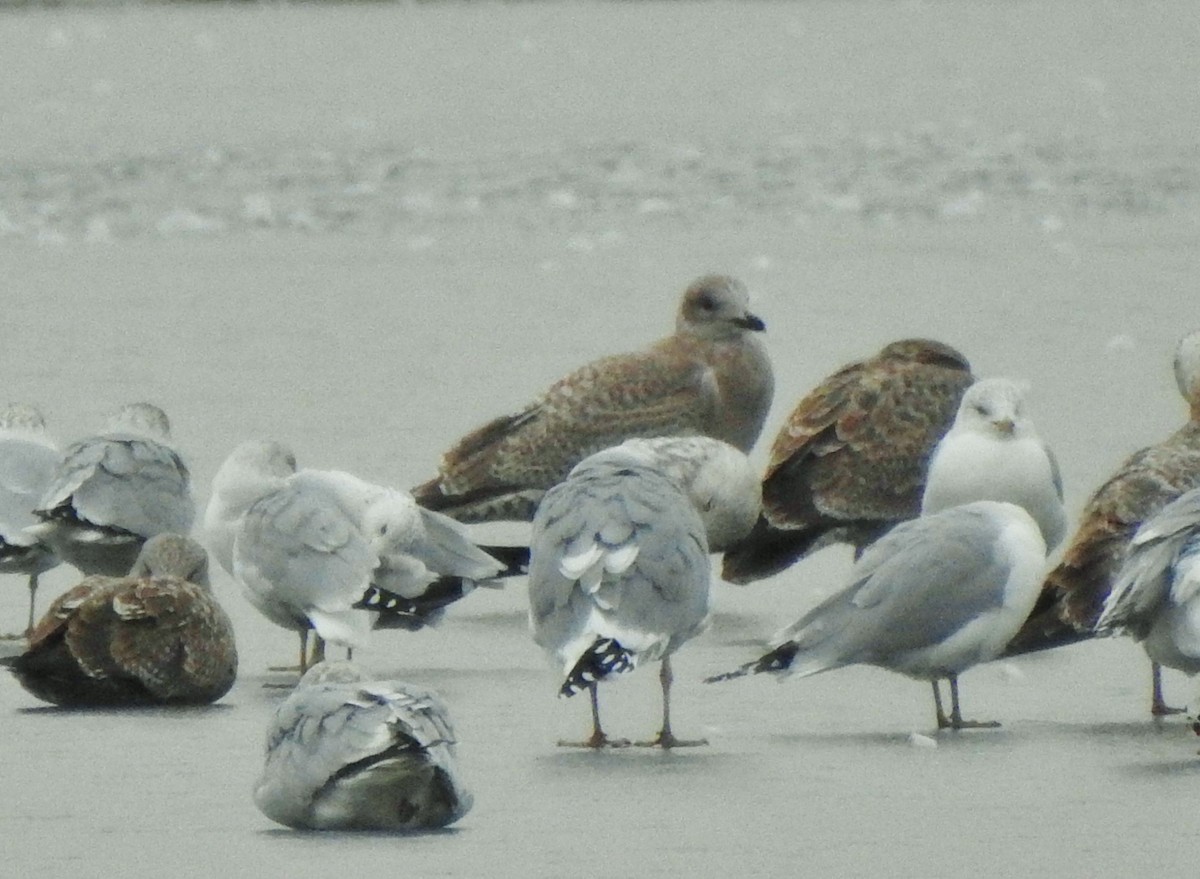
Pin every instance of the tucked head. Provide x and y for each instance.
(716, 306)
(22, 417)
(172, 555)
(143, 418)
(993, 405)
(332, 672)
(926, 351)
(1187, 369)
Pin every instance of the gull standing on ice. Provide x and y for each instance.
(993, 452)
(348, 753)
(28, 458)
(114, 490)
(851, 460)
(619, 575)
(1156, 595)
(325, 550)
(1074, 593)
(930, 599)
(156, 636)
(711, 377)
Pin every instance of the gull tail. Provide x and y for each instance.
(605, 657)
(779, 659)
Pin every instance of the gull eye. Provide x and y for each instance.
(980, 409)
(706, 302)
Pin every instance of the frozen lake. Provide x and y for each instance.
(365, 229)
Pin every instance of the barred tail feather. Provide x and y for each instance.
(605, 657)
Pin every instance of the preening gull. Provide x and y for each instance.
(1074, 593)
(993, 452)
(348, 753)
(328, 551)
(1156, 594)
(156, 636)
(28, 458)
(930, 599)
(619, 575)
(711, 377)
(114, 490)
(851, 460)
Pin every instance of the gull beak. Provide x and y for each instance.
(1004, 426)
(751, 322)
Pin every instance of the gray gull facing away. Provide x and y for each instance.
(154, 637)
(850, 461)
(619, 575)
(115, 490)
(711, 377)
(345, 752)
(930, 599)
(1074, 593)
(28, 458)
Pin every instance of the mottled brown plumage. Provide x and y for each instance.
(712, 377)
(851, 460)
(1074, 592)
(157, 636)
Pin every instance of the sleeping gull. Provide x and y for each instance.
(930, 599)
(993, 452)
(28, 458)
(619, 575)
(348, 753)
(328, 551)
(1156, 594)
(114, 490)
(156, 636)
(712, 377)
(1073, 594)
(851, 460)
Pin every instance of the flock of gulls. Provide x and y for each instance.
(633, 473)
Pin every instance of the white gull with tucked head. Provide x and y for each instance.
(711, 377)
(345, 752)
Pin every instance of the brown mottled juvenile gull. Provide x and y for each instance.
(28, 458)
(345, 752)
(930, 599)
(1074, 592)
(711, 377)
(1156, 594)
(114, 490)
(993, 452)
(619, 576)
(328, 551)
(156, 636)
(851, 460)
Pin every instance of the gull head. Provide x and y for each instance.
(1187, 369)
(994, 406)
(716, 306)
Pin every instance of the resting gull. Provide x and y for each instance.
(156, 636)
(851, 460)
(930, 599)
(993, 452)
(1073, 594)
(1156, 594)
(348, 753)
(327, 551)
(28, 458)
(712, 377)
(114, 490)
(619, 575)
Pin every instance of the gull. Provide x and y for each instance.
(345, 752)
(851, 460)
(993, 452)
(619, 575)
(711, 377)
(327, 551)
(930, 599)
(1074, 592)
(28, 458)
(156, 636)
(1156, 594)
(114, 490)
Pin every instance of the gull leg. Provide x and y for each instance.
(33, 584)
(1158, 705)
(956, 718)
(666, 738)
(597, 739)
(943, 722)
